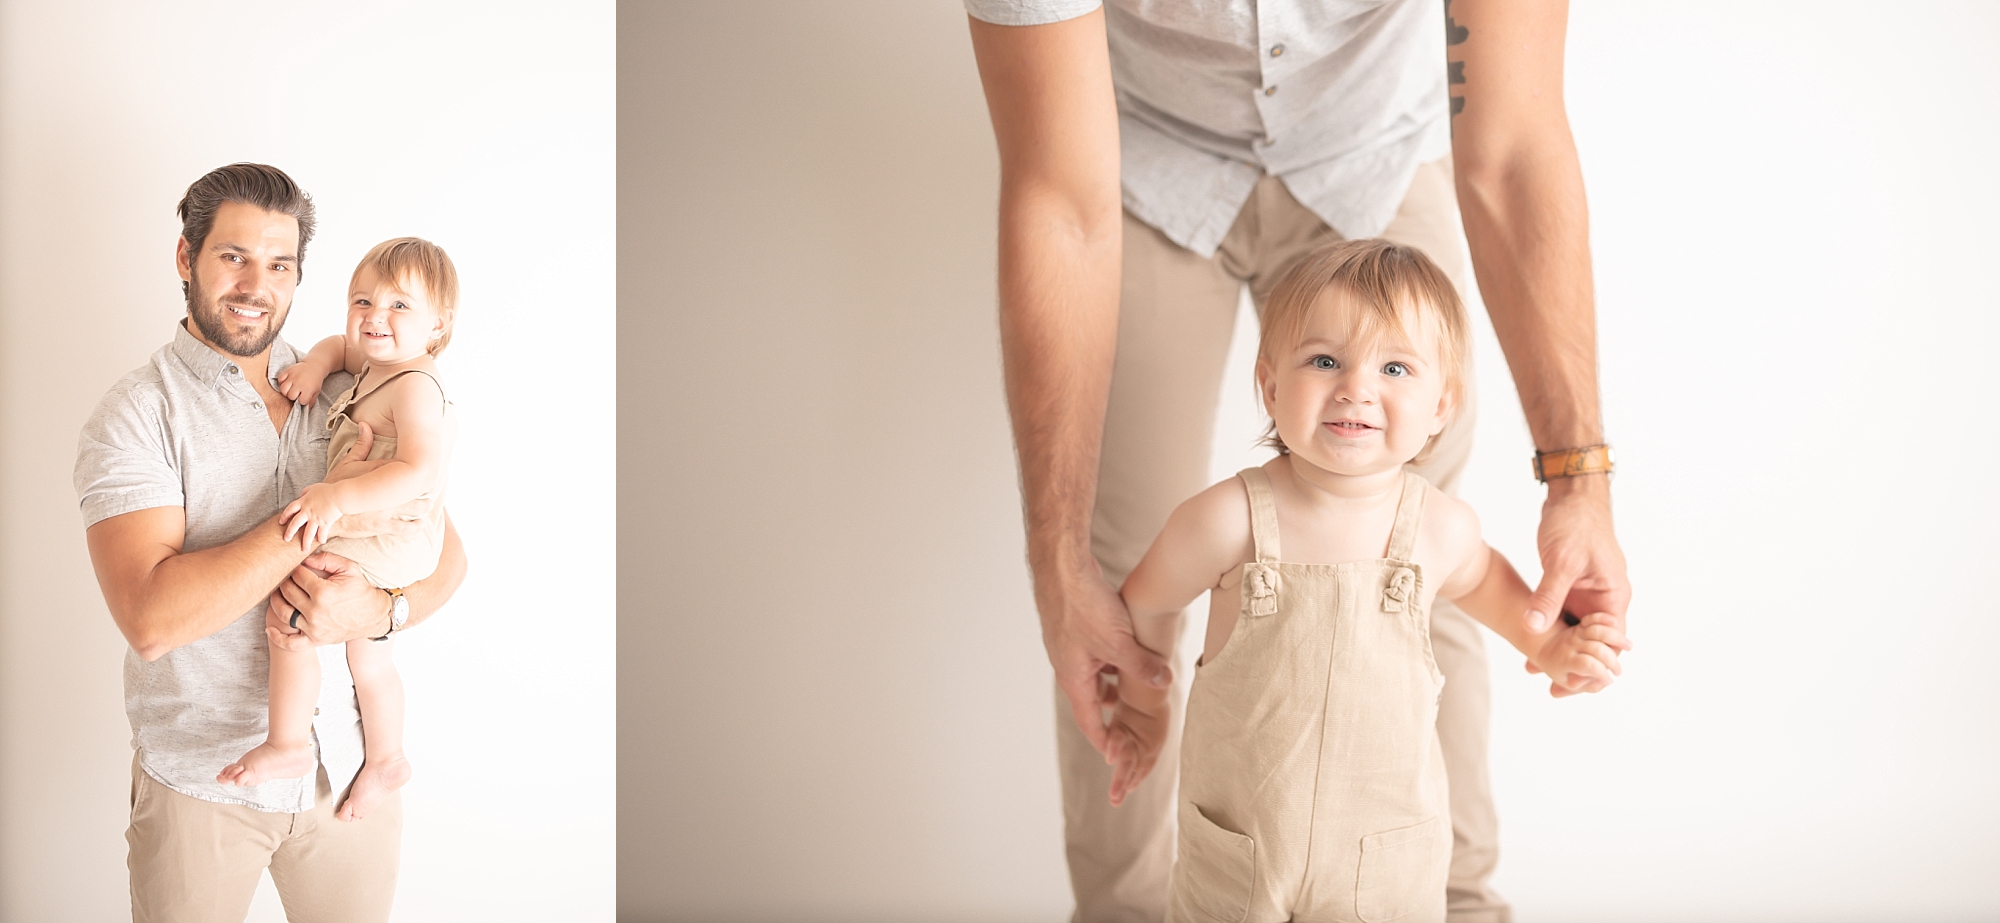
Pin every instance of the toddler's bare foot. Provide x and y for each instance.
(376, 780)
(267, 761)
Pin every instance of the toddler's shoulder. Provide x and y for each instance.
(1221, 506)
(1450, 527)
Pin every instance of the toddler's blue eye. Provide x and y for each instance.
(1395, 370)
(1324, 363)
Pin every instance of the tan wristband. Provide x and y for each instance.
(1568, 463)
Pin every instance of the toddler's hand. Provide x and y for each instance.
(300, 382)
(1133, 740)
(311, 516)
(1581, 657)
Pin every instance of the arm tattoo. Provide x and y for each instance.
(1455, 34)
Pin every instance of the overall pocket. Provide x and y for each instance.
(1403, 873)
(1214, 872)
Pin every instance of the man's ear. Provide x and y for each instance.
(183, 258)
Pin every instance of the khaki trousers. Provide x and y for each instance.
(195, 861)
(1176, 313)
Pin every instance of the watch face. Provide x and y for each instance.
(399, 612)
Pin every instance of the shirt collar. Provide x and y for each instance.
(211, 366)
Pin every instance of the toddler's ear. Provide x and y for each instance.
(1267, 385)
(1447, 405)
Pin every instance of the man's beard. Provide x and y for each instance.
(212, 317)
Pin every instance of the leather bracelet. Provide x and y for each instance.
(1569, 463)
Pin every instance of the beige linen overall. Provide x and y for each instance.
(1312, 785)
(393, 561)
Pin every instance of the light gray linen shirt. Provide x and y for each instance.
(1342, 100)
(187, 430)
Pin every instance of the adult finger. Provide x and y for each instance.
(327, 563)
(362, 444)
(1084, 709)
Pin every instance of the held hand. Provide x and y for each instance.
(312, 516)
(300, 383)
(334, 603)
(1133, 740)
(1582, 657)
(1088, 632)
(1582, 568)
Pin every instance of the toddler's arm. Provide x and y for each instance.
(1577, 658)
(301, 381)
(423, 443)
(1204, 538)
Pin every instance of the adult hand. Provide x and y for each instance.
(1088, 633)
(1582, 569)
(334, 604)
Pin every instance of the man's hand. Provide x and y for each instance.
(333, 602)
(1582, 568)
(279, 632)
(1088, 633)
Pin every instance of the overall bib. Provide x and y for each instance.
(385, 560)
(1312, 786)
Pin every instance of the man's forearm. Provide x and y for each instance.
(1529, 233)
(431, 593)
(1055, 121)
(182, 598)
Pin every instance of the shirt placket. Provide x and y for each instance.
(1272, 66)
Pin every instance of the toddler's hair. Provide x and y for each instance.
(1382, 281)
(412, 258)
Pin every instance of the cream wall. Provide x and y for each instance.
(835, 701)
(485, 127)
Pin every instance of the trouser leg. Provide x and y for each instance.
(333, 871)
(1176, 313)
(194, 861)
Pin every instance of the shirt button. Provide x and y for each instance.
(316, 711)
(1270, 90)
(1277, 50)
(232, 370)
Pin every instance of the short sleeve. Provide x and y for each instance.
(122, 458)
(1028, 12)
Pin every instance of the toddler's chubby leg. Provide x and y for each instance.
(286, 752)
(379, 689)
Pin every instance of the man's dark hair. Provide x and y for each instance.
(256, 184)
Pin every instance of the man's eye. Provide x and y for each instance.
(1395, 370)
(1324, 363)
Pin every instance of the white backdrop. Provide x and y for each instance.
(488, 128)
(846, 708)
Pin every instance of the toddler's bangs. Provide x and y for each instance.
(1383, 285)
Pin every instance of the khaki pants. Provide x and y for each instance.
(1176, 314)
(195, 861)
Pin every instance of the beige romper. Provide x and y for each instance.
(393, 561)
(1312, 786)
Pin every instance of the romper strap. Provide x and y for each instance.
(1409, 513)
(380, 384)
(1263, 514)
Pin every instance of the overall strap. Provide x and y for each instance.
(1409, 513)
(380, 384)
(1263, 514)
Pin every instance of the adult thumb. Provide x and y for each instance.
(363, 444)
(1135, 660)
(1547, 602)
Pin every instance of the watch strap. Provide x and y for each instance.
(398, 611)
(1569, 463)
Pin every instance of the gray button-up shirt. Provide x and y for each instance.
(187, 430)
(1340, 99)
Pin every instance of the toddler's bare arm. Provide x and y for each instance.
(1578, 658)
(1203, 539)
(424, 437)
(301, 381)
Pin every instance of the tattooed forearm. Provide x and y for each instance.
(1455, 34)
